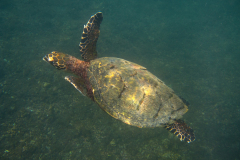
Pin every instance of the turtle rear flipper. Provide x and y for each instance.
(89, 38)
(57, 59)
(181, 130)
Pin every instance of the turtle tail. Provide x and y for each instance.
(181, 130)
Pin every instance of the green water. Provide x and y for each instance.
(193, 46)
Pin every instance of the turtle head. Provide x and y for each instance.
(57, 59)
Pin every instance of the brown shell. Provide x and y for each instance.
(128, 92)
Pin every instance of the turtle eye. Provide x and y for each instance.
(48, 58)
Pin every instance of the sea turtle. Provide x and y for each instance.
(125, 90)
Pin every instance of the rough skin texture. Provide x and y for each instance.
(128, 92)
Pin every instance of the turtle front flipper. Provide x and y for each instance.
(89, 38)
(78, 83)
(57, 59)
(181, 130)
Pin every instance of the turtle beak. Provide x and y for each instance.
(48, 59)
(45, 58)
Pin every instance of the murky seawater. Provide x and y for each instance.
(192, 46)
